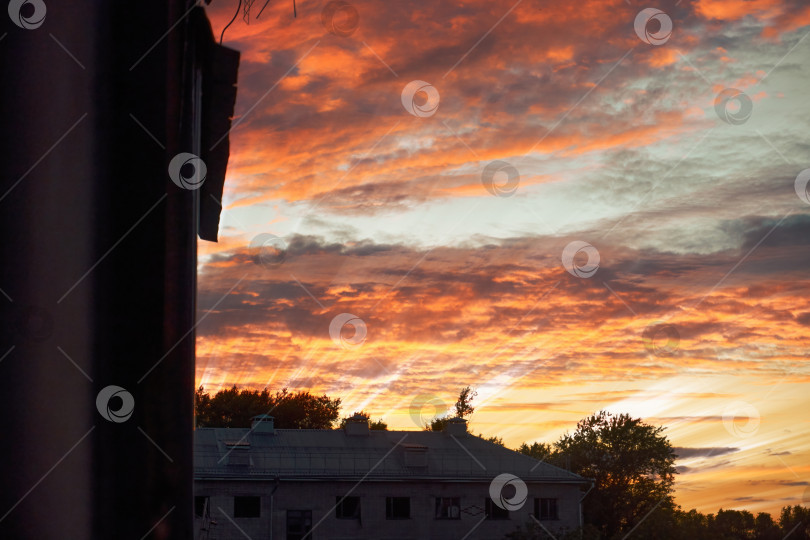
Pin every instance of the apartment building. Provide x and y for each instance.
(355, 483)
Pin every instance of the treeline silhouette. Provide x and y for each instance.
(631, 464)
(793, 523)
(235, 408)
(291, 410)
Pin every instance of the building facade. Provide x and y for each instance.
(354, 483)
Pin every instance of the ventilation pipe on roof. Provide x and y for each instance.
(263, 423)
(356, 425)
(456, 426)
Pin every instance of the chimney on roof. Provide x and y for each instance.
(456, 426)
(356, 425)
(263, 423)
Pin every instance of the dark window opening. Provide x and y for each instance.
(202, 506)
(493, 511)
(448, 508)
(247, 507)
(397, 508)
(545, 509)
(299, 524)
(347, 508)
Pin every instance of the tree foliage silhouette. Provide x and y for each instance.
(632, 465)
(291, 410)
(541, 451)
(630, 462)
(463, 409)
(676, 524)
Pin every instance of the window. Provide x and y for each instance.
(238, 454)
(545, 509)
(347, 508)
(246, 507)
(299, 524)
(493, 511)
(415, 455)
(202, 506)
(448, 508)
(397, 507)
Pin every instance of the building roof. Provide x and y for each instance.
(378, 455)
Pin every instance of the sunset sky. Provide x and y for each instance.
(697, 317)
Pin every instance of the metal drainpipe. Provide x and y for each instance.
(581, 521)
(272, 495)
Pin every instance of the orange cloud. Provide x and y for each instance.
(736, 9)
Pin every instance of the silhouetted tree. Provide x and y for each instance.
(795, 520)
(732, 525)
(692, 525)
(463, 404)
(631, 463)
(202, 407)
(541, 451)
(463, 408)
(437, 424)
(676, 524)
(291, 410)
(618, 451)
(765, 528)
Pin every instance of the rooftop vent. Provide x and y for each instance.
(356, 425)
(262, 423)
(456, 426)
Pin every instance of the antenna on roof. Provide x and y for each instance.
(246, 11)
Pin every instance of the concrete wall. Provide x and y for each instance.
(320, 498)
